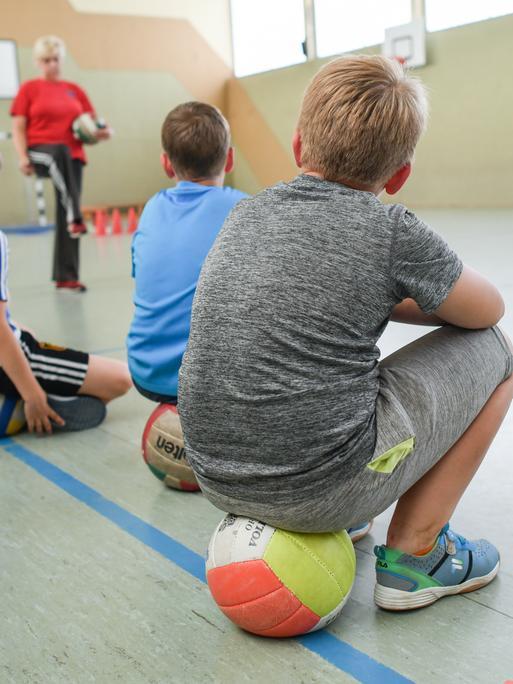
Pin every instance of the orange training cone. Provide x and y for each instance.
(132, 220)
(117, 226)
(99, 223)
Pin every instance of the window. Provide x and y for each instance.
(267, 34)
(345, 25)
(441, 14)
(9, 78)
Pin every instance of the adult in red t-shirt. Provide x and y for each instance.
(43, 112)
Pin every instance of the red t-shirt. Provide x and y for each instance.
(50, 108)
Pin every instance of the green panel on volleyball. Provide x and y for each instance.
(317, 568)
(156, 472)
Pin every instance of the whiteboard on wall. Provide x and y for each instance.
(9, 75)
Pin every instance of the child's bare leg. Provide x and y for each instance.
(425, 508)
(106, 379)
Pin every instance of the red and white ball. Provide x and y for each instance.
(163, 449)
(277, 583)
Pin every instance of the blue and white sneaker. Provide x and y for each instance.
(454, 566)
(359, 531)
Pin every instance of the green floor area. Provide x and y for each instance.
(84, 601)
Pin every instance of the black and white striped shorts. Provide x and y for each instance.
(58, 370)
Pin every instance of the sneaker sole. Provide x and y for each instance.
(396, 600)
(361, 533)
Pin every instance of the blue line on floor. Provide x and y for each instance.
(349, 659)
(159, 541)
(336, 652)
(27, 230)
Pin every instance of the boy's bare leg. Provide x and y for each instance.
(106, 379)
(427, 506)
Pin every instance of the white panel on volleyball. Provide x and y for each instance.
(331, 616)
(236, 540)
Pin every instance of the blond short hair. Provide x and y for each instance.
(360, 119)
(48, 46)
(196, 138)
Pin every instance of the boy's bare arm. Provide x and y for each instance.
(472, 303)
(16, 366)
(408, 311)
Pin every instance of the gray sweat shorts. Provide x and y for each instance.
(430, 392)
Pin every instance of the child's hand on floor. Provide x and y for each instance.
(39, 414)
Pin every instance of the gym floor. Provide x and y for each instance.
(101, 570)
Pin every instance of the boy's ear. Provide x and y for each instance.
(167, 166)
(396, 182)
(230, 160)
(296, 147)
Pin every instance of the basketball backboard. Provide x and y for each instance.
(407, 43)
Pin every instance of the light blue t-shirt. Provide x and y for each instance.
(176, 231)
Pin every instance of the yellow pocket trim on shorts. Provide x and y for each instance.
(387, 462)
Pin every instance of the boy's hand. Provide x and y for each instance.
(39, 414)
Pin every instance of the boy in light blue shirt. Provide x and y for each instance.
(177, 228)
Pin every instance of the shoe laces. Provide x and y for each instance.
(459, 540)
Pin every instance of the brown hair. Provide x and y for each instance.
(196, 138)
(360, 119)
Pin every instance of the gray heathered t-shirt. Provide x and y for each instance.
(279, 381)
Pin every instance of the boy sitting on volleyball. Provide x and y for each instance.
(176, 230)
(288, 415)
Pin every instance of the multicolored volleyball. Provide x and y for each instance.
(84, 128)
(163, 449)
(276, 583)
(12, 416)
